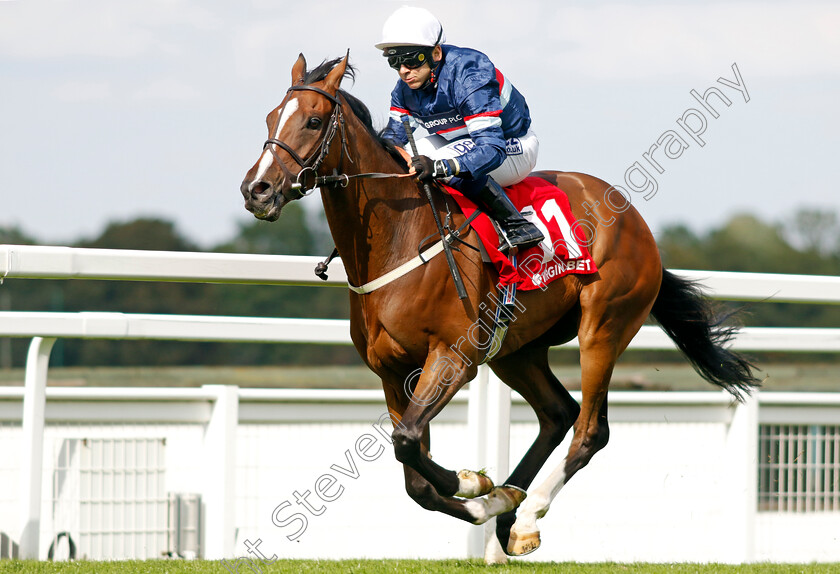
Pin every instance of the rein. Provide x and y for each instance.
(315, 160)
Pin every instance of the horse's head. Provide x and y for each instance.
(300, 131)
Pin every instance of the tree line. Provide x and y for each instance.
(808, 243)
(294, 235)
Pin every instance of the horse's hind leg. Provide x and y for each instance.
(591, 435)
(527, 372)
(608, 323)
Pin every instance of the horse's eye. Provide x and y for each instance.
(313, 123)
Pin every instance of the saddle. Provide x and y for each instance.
(563, 252)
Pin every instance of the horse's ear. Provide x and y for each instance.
(333, 79)
(299, 71)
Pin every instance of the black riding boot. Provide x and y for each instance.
(520, 232)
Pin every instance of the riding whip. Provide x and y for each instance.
(447, 250)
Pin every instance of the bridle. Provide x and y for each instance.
(313, 163)
(316, 159)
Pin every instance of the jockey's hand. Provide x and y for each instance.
(426, 169)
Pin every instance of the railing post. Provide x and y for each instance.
(477, 429)
(34, 405)
(498, 456)
(742, 463)
(219, 494)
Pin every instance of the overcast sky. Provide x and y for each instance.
(115, 110)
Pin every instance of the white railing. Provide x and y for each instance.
(47, 262)
(489, 404)
(41, 262)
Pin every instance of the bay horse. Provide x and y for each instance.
(412, 330)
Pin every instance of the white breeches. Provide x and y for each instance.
(521, 155)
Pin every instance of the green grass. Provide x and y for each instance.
(399, 566)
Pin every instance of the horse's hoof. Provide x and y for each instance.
(517, 494)
(500, 500)
(473, 484)
(522, 544)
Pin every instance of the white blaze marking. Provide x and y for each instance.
(265, 163)
(267, 158)
(291, 108)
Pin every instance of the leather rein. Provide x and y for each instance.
(301, 188)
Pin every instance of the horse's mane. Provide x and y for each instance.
(356, 105)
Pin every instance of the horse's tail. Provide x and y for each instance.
(693, 324)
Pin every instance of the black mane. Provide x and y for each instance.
(360, 110)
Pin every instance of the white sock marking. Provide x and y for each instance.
(538, 501)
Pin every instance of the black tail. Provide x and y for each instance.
(693, 324)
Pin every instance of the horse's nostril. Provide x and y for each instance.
(258, 189)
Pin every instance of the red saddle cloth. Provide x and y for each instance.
(547, 207)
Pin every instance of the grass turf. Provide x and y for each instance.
(398, 566)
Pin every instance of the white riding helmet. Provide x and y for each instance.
(411, 26)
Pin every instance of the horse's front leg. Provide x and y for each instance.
(428, 391)
(423, 493)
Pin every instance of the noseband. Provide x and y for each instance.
(316, 159)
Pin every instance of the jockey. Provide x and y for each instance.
(471, 125)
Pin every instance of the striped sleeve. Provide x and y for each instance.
(483, 121)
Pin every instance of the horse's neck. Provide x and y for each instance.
(376, 224)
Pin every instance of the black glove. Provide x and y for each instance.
(426, 169)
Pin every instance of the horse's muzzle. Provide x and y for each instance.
(262, 199)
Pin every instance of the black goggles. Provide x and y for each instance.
(410, 60)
